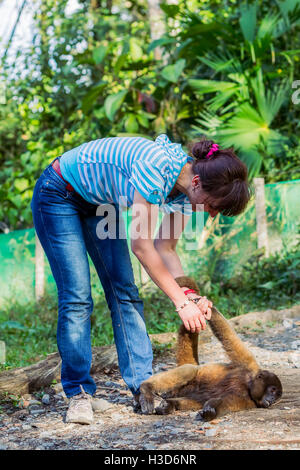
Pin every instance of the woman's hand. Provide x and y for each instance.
(192, 318)
(204, 304)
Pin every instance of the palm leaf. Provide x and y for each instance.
(210, 122)
(244, 130)
(211, 86)
(269, 102)
(268, 25)
(221, 62)
(248, 21)
(220, 99)
(253, 159)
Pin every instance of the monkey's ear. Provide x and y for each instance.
(186, 281)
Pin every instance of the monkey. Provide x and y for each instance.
(213, 389)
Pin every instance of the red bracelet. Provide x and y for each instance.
(190, 291)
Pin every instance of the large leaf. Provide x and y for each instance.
(221, 62)
(245, 129)
(253, 160)
(136, 52)
(170, 10)
(268, 25)
(89, 100)
(160, 42)
(269, 102)
(99, 53)
(131, 124)
(173, 72)
(113, 103)
(211, 86)
(248, 21)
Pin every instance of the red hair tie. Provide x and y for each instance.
(213, 149)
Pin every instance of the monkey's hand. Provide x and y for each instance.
(205, 306)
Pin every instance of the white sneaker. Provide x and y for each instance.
(80, 409)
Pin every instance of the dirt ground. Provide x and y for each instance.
(37, 422)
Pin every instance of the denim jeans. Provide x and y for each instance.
(66, 226)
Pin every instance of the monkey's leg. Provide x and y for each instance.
(218, 406)
(165, 382)
(169, 405)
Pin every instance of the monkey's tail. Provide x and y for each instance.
(234, 347)
(187, 347)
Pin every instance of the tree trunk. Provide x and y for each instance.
(157, 27)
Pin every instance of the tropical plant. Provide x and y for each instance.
(255, 75)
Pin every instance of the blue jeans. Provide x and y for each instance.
(66, 226)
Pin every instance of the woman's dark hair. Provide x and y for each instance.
(224, 177)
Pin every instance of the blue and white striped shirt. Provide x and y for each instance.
(109, 170)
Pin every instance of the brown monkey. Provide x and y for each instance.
(212, 388)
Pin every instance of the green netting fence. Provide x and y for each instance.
(223, 242)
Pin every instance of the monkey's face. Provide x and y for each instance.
(265, 389)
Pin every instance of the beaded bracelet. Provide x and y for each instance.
(186, 302)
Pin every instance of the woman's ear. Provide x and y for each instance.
(196, 182)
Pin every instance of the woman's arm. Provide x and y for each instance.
(165, 243)
(166, 240)
(144, 218)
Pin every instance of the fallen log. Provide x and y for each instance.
(43, 373)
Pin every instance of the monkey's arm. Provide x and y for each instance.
(234, 347)
(164, 382)
(218, 406)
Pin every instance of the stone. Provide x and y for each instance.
(26, 427)
(100, 405)
(36, 411)
(295, 359)
(149, 447)
(210, 432)
(57, 387)
(34, 403)
(46, 399)
(287, 323)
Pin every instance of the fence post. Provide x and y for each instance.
(2, 352)
(39, 270)
(261, 218)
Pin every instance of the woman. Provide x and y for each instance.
(125, 171)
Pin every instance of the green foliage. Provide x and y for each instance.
(259, 284)
(226, 71)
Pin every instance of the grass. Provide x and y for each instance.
(29, 331)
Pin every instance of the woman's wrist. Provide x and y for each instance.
(179, 299)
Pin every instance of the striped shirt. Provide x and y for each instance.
(109, 170)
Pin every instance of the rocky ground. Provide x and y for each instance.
(36, 422)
